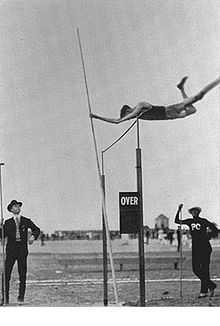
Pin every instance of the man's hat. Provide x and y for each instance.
(196, 208)
(12, 203)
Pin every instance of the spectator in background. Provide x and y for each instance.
(147, 234)
(184, 238)
(161, 236)
(42, 238)
(155, 232)
(178, 236)
(170, 236)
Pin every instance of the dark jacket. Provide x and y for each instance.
(10, 233)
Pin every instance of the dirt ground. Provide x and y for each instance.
(53, 281)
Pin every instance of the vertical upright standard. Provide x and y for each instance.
(181, 257)
(141, 226)
(2, 236)
(105, 243)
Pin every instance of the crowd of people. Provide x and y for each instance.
(168, 236)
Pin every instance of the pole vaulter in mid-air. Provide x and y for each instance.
(147, 111)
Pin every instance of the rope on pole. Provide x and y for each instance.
(119, 138)
(99, 174)
(3, 240)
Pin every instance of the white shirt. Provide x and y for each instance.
(17, 219)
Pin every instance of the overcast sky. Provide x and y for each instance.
(134, 51)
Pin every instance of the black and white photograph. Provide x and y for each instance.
(109, 154)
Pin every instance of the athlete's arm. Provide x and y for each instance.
(111, 120)
(136, 112)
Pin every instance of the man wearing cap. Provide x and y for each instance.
(16, 231)
(201, 231)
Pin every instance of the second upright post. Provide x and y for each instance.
(141, 226)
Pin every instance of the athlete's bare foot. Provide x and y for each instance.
(182, 82)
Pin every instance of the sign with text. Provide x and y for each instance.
(129, 206)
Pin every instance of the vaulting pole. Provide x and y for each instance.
(104, 244)
(3, 239)
(141, 226)
(100, 176)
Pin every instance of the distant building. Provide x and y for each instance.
(162, 222)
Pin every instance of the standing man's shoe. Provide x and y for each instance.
(202, 295)
(212, 290)
(20, 301)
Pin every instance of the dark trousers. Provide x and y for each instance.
(200, 265)
(21, 259)
(178, 246)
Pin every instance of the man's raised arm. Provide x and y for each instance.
(177, 219)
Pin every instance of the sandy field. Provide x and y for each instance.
(54, 279)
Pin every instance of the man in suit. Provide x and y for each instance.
(15, 229)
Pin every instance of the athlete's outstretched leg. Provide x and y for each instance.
(202, 93)
(181, 86)
(185, 108)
